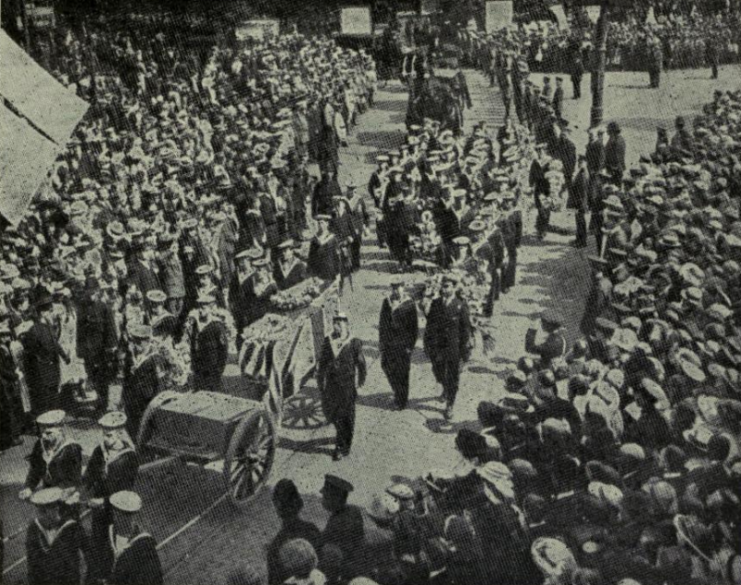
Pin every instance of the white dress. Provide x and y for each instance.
(74, 371)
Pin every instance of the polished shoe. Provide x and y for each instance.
(337, 456)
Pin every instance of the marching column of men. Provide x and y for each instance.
(117, 550)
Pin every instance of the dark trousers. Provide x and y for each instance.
(97, 374)
(175, 306)
(714, 69)
(396, 363)
(355, 252)
(581, 228)
(344, 424)
(654, 76)
(448, 373)
(12, 418)
(576, 82)
(543, 221)
(509, 274)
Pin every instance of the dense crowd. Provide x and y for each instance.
(679, 43)
(187, 181)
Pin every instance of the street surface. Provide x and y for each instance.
(202, 537)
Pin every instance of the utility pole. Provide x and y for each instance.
(598, 71)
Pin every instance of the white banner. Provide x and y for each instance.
(499, 14)
(257, 29)
(356, 21)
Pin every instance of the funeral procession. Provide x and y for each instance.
(370, 292)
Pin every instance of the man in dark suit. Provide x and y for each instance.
(142, 275)
(580, 198)
(341, 371)
(448, 339)
(345, 528)
(558, 97)
(324, 193)
(615, 154)
(288, 270)
(41, 355)
(288, 504)
(96, 340)
(209, 345)
(397, 334)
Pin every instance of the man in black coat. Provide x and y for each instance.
(615, 154)
(448, 339)
(580, 198)
(324, 193)
(96, 340)
(242, 291)
(340, 372)
(345, 528)
(558, 97)
(142, 275)
(41, 355)
(398, 330)
(288, 504)
(209, 345)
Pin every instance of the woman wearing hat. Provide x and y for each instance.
(113, 467)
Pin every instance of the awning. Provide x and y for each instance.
(37, 117)
(25, 160)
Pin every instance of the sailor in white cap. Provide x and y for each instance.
(144, 377)
(113, 466)
(289, 270)
(131, 557)
(208, 336)
(55, 460)
(324, 252)
(162, 321)
(53, 543)
(341, 371)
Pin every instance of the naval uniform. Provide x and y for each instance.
(209, 351)
(54, 555)
(324, 258)
(142, 382)
(61, 468)
(107, 472)
(398, 330)
(341, 370)
(132, 562)
(289, 276)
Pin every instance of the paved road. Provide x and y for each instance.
(203, 536)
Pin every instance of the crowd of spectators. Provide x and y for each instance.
(184, 159)
(685, 43)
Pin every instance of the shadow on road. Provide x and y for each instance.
(320, 446)
(383, 141)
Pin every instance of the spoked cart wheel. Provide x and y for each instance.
(249, 456)
(145, 430)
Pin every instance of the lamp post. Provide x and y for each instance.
(598, 71)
